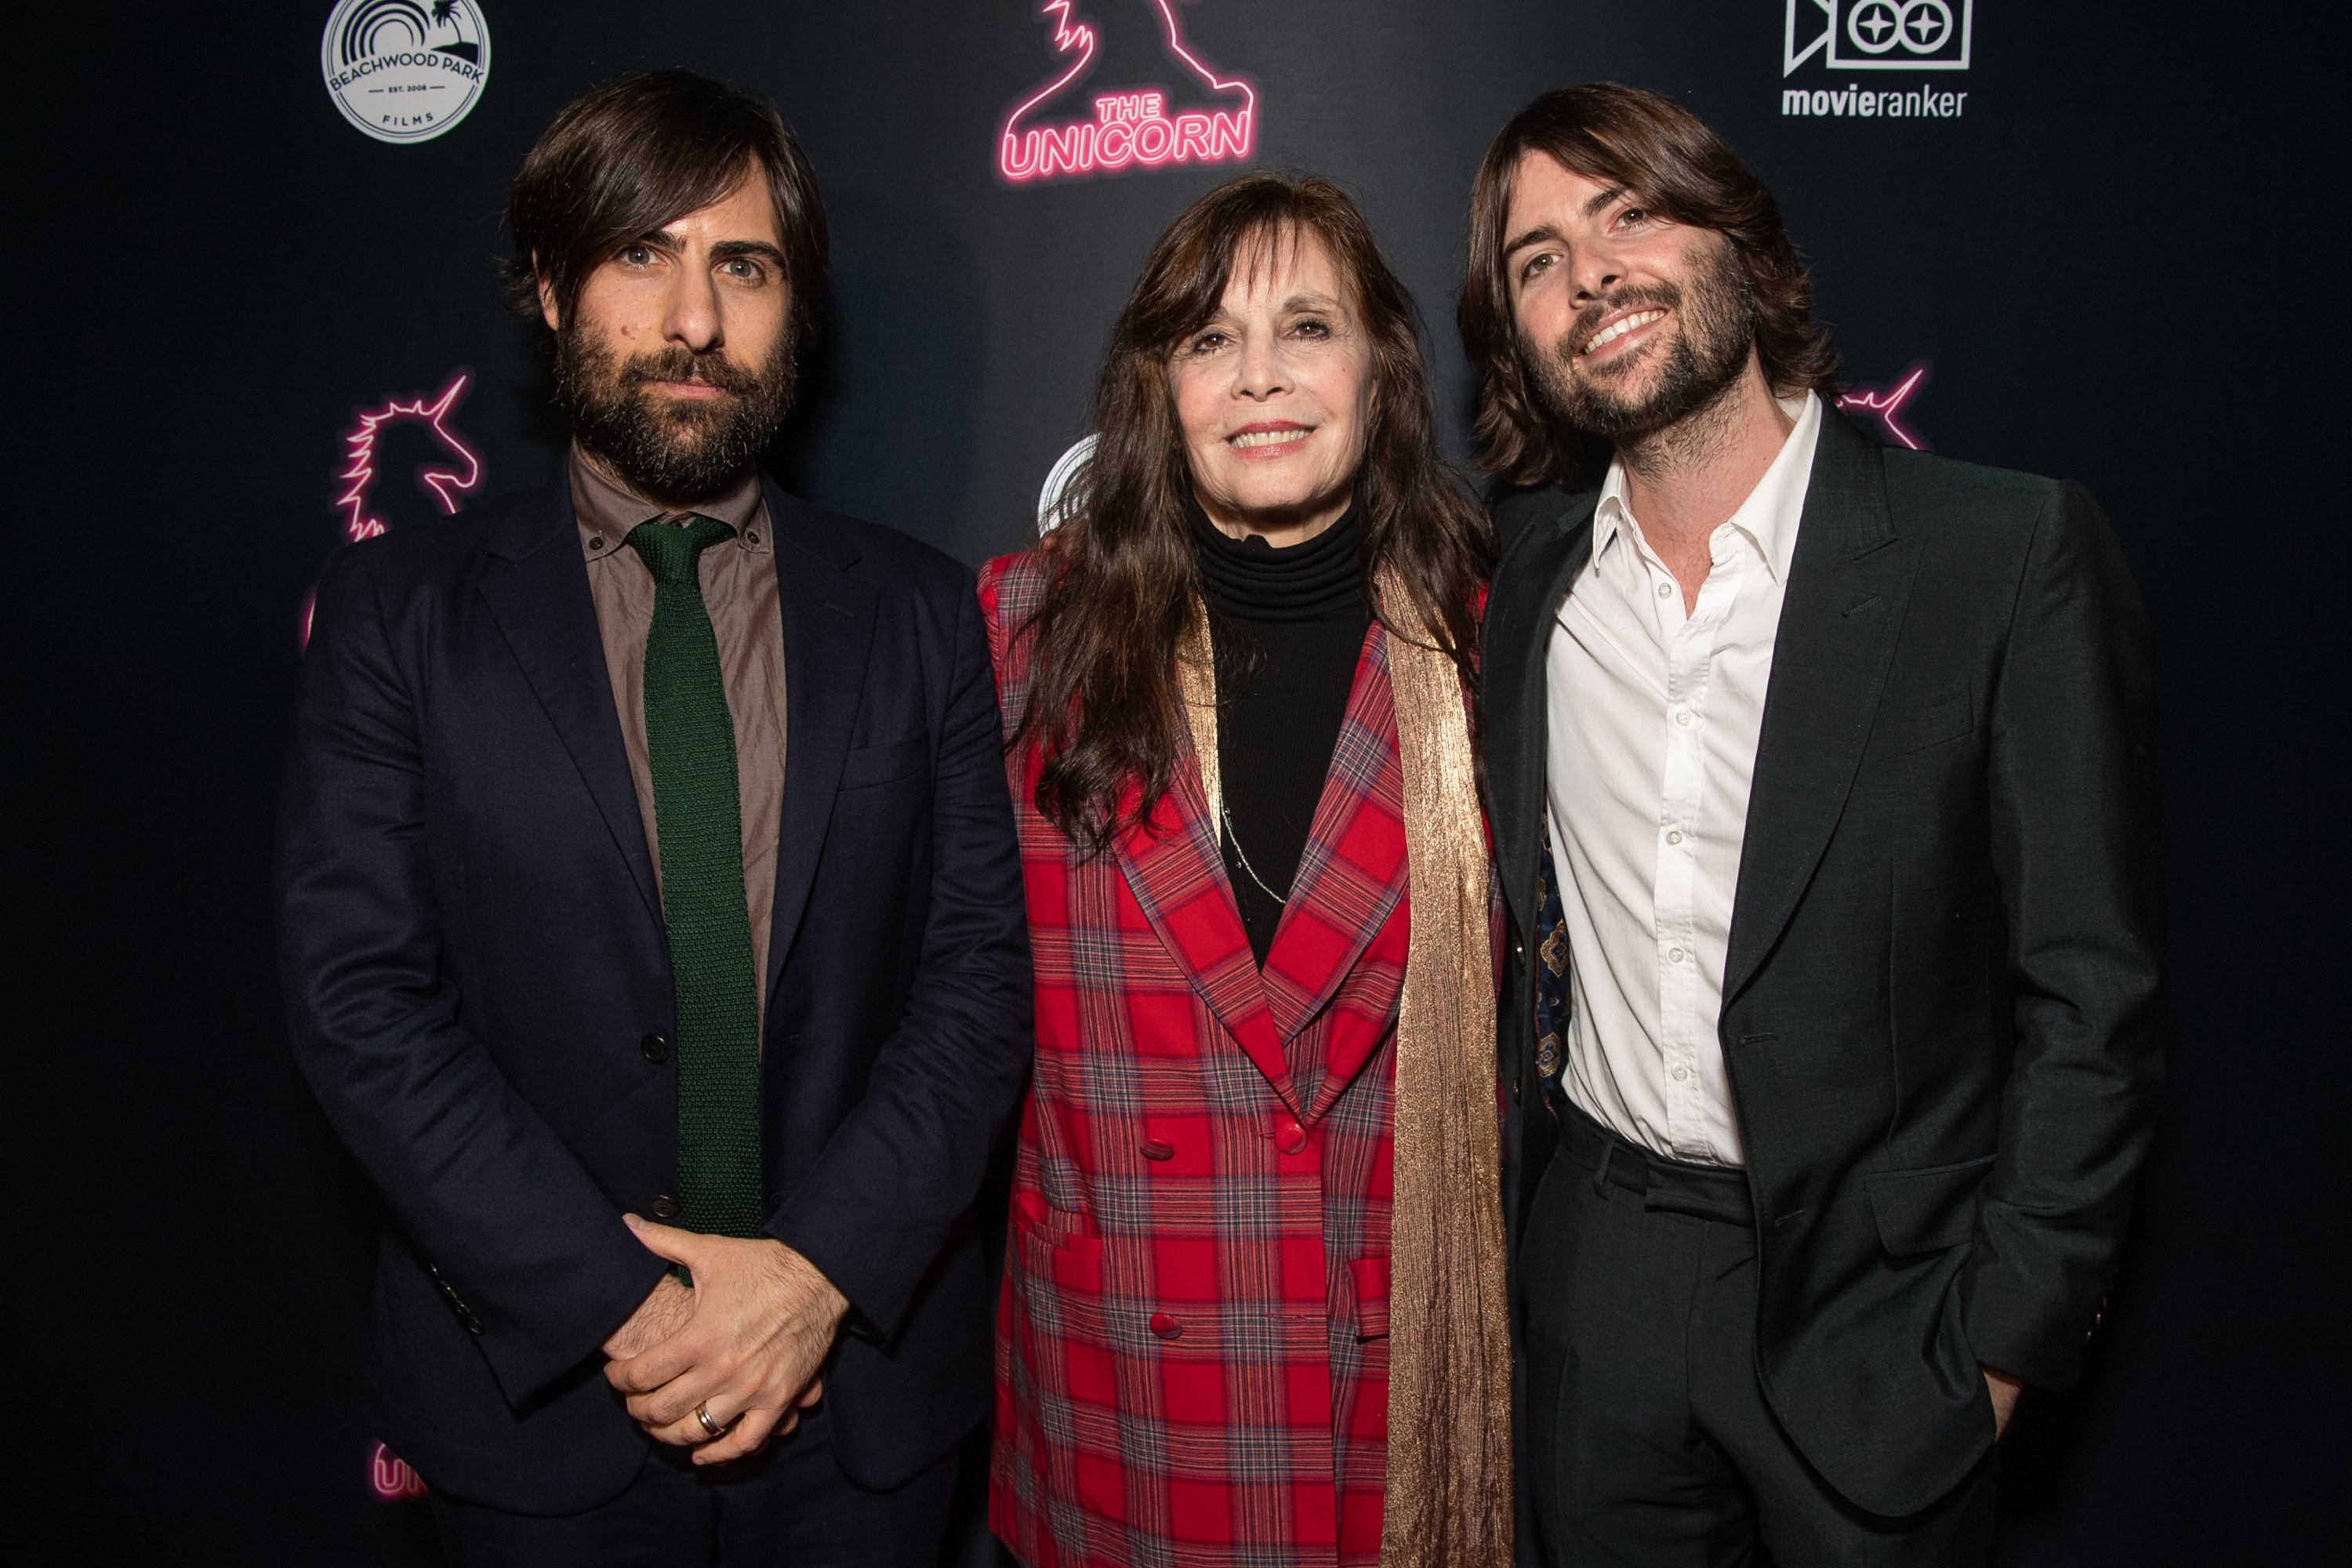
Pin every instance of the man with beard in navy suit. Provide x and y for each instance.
(651, 919)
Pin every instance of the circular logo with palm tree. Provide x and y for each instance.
(405, 70)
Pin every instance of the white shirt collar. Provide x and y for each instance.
(1767, 517)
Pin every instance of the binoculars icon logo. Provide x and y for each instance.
(1879, 34)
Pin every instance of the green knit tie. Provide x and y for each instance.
(698, 819)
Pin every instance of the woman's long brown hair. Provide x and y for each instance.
(1104, 709)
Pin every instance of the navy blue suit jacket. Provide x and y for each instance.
(472, 952)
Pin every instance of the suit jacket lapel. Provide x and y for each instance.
(536, 585)
(1177, 873)
(1352, 872)
(828, 617)
(1848, 585)
(1529, 584)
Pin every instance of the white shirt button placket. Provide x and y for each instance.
(1687, 636)
(1685, 1032)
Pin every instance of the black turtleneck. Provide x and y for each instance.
(1288, 627)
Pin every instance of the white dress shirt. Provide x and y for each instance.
(1655, 717)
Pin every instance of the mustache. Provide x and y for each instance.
(711, 367)
(1632, 297)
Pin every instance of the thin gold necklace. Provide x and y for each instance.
(1242, 857)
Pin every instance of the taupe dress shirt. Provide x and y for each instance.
(739, 590)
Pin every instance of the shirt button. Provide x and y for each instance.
(1676, 836)
(1674, 955)
(1682, 1075)
(595, 542)
(1166, 1327)
(1665, 590)
(1683, 718)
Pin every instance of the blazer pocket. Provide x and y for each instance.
(1926, 1210)
(863, 767)
(1945, 717)
(1369, 1277)
(1057, 1248)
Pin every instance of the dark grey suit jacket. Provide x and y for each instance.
(1943, 1010)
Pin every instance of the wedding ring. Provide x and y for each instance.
(702, 1417)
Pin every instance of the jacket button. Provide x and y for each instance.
(1166, 1327)
(665, 1207)
(1514, 1089)
(1290, 1137)
(1158, 1149)
(656, 1048)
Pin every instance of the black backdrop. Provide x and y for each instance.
(2110, 257)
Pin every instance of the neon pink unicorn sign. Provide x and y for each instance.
(463, 475)
(389, 1478)
(1132, 128)
(1887, 404)
(458, 472)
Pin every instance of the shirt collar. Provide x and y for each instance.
(606, 511)
(1770, 515)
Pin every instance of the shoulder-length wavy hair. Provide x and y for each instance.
(1649, 144)
(1105, 709)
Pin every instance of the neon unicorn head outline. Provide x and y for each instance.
(1132, 131)
(1887, 404)
(444, 484)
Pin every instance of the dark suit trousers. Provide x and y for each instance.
(791, 1506)
(1649, 1440)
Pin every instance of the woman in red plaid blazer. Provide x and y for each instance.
(1253, 1302)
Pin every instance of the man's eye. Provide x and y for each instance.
(750, 272)
(1537, 264)
(1634, 215)
(636, 256)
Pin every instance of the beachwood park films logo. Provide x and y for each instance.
(405, 71)
(1836, 37)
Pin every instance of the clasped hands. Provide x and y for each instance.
(743, 1345)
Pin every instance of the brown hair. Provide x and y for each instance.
(621, 161)
(1104, 704)
(1650, 144)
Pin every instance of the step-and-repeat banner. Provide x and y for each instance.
(2044, 233)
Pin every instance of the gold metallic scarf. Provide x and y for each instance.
(1448, 1492)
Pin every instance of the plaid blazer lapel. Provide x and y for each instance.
(1178, 875)
(1352, 876)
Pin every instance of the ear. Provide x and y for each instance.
(547, 310)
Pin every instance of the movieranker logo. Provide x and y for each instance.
(401, 70)
(1879, 34)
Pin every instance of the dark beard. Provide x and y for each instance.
(1709, 349)
(667, 450)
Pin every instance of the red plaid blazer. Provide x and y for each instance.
(1191, 1353)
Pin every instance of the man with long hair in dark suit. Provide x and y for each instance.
(651, 918)
(1822, 779)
